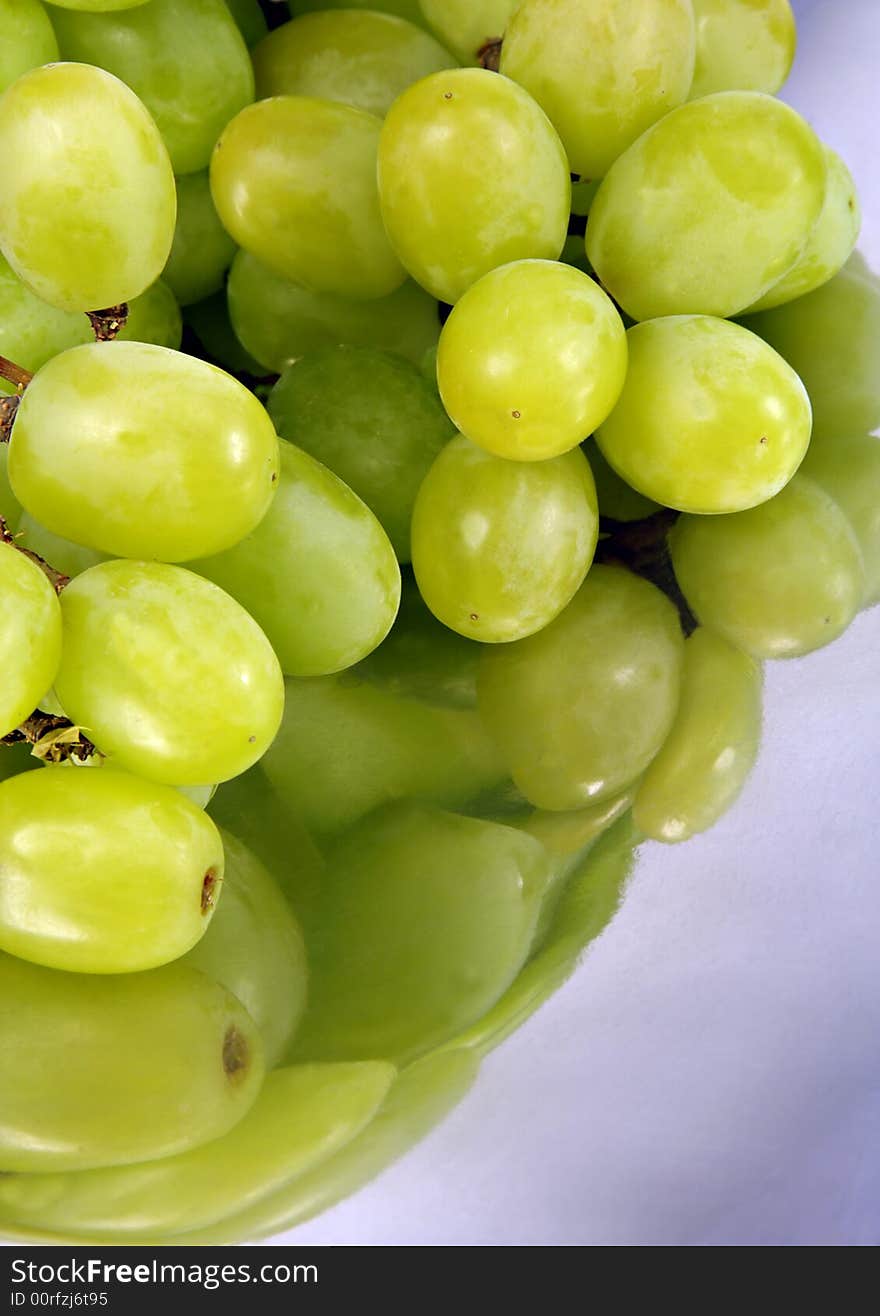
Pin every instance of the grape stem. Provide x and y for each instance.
(8, 407)
(489, 54)
(53, 739)
(108, 323)
(14, 374)
(643, 548)
(56, 578)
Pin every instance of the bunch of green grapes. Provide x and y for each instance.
(394, 521)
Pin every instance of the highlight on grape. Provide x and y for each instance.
(420, 422)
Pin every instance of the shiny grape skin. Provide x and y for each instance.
(318, 573)
(472, 175)
(87, 212)
(172, 677)
(28, 39)
(30, 636)
(777, 581)
(712, 747)
(202, 250)
(580, 709)
(149, 1064)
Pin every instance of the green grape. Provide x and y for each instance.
(32, 331)
(421, 1096)
(531, 360)
(466, 26)
(170, 675)
(565, 835)
(318, 573)
(373, 419)
(185, 59)
(202, 250)
(422, 659)
(254, 947)
(399, 959)
(87, 206)
(97, 6)
(779, 580)
(140, 451)
(617, 500)
(709, 208)
(346, 746)
(209, 321)
(589, 900)
(15, 759)
(248, 18)
(30, 637)
(604, 70)
(65, 556)
(712, 747)
(294, 183)
(831, 338)
(114, 1070)
(582, 708)
(583, 194)
(711, 419)
(829, 245)
(28, 39)
(280, 321)
(848, 469)
(303, 1115)
(10, 508)
(500, 547)
(743, 45)
(272, 832)
(471, 176)
(364, 59)
(103, 872)
(402, 8)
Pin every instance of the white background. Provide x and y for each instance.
(712, 1072)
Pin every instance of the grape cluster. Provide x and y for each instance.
(325, 755)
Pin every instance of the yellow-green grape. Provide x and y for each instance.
(604, 70)
(584, 907)
(30, 637)
(28, 39)
(202, 250)
(114, 1070)
(346, 746)
(302, 1117)
(32, 331)
(583, 194)
(829, 245)
(103, 872)
(141, 451)
(402, 8)
(10, 508)
(712, 747)
(294, 183)
(777, 581)
(65, 556)
(169, 674)
(422, 1095)
(97, 6)
(318, 573)
(423, 659)
(564, 835)
(248, 18)
(581, 709)
(209, 321)
(87, 206)
(711, 419)
(500, 547)
(531, 360)
(848, 469)
(831, 338)
(185, 59)
(746, 45)
(399, 959)
(472, 175)
(364, 59)
(709, 208)
(618, 501)
(279, 321)
(254, 947)
(373, 420)
(467, 26)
